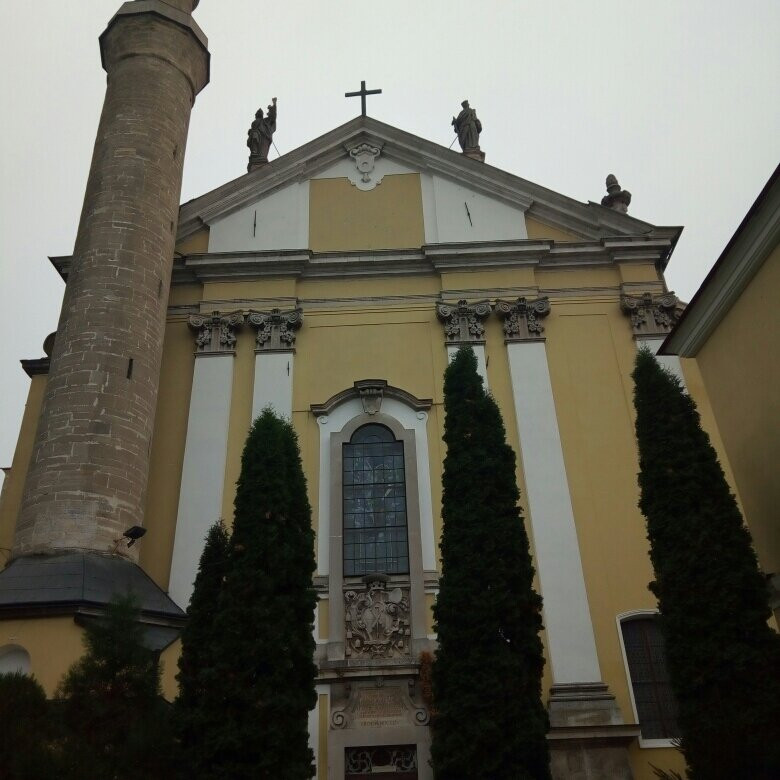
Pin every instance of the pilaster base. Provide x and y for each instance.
(588, 739)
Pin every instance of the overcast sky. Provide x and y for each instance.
(678, 98)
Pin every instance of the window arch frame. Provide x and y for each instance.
(627, 617)
(337, 581)
(358, 532)
(15, 649)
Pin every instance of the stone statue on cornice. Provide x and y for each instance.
(468, 127)
(260, 136)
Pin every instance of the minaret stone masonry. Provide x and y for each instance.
(88, 473)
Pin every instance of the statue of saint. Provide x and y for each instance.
(468, 128)
(260, 135)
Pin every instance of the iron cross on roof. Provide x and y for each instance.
(362, 93)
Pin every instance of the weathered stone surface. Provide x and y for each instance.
(87, 478)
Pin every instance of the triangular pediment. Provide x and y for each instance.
(567, 219)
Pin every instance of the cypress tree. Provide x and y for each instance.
(26, 734)
(199, 681)
(490, 720)
(723, 658)
(115, 722)
(266, 613)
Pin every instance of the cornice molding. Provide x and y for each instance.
(371, 392)
(428, 259)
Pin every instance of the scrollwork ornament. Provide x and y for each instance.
(522, 317)
(463, 321)
(651, 315)
(215, 333)
(276, 329)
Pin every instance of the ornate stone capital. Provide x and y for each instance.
(275, 329)
(376, 620)
(651, 315)
(522, 318)
(463, 321)
(215, 332)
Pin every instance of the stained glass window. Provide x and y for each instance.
(655, 704)
(374, 503)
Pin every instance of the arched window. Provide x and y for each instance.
(14, 658)
(656, 709)
(374, 503)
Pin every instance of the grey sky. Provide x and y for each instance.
(679, 99)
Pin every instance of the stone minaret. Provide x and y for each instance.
(87, 478)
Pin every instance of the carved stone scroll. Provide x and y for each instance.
(651, 315)
(377, 620)
(215, 332)
(522, 318)
(463, 322)
(276, 329)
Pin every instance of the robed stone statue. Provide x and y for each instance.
(468, 128)
(260, 136)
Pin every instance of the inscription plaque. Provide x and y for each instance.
(379, 707)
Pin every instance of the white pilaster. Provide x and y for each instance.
(479, 351)
(671, 362)
(570, 637)
(314, 724)
(273, 383)
(203, 472)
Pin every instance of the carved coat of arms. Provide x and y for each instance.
(377, 620)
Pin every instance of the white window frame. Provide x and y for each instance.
(635, 613)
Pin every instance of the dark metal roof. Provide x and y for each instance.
(68, 581)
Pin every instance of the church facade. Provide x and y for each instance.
(334, 283)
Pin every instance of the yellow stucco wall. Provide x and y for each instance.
(740, 366)
(387, 328)
(14, 480)
(54, 645)
(342, 217)
(537, 230)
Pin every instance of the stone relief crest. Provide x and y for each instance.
(215, 332)
(377, 620)
(521, 317)
(463, 321)
(365, 156)
(276, 329)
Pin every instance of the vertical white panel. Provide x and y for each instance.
(566, 612)
(273, 383)
(479, 351)
(671, 362)
(203, 472)
(314, 724)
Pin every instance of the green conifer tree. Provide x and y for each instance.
(723, 658)
(266, 614)
(198, 678)
(490, 720)
(26, 734)
(115, 722)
